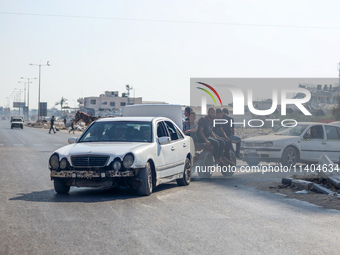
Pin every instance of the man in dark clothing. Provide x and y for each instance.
(187, 112)
(206, 135)
(52, 125)
(230, 131)
(72, 126)
(220, 133)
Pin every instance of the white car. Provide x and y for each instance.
(289, 145)
(140, 152)
(17, 121)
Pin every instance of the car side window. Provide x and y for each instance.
(172, 131)
(332, 133)
(315, 132)
(161, 129)
(179, 134)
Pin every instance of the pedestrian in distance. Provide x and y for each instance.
(72, 127)
(52, 125)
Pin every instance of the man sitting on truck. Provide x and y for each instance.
(206, 135)
(229, 129)
(190, 127)
(219, 131)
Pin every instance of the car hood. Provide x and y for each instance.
(116, 149)
(272, 138)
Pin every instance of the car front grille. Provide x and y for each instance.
(89, 161)
(252, 144)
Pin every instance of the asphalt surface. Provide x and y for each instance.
(214, 216)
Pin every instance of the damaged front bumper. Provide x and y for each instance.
(91, 174)
(103, 179)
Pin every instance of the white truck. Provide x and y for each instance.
(17, 121)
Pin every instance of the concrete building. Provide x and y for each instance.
(109, 103)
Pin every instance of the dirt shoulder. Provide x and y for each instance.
(328, 202)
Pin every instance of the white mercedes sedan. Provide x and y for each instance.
(304, 142)
(139, 152)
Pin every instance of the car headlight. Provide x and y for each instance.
(128, 160)
(54, 161)
(63, 164)
(117, 164)
(267, 144)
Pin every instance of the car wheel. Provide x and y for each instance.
(252, 162)
(185, 180)
(207, 158)
(11, 127)
(22, 127)
(289, 157)
(233, 159)
(145, 175)
(60, 187)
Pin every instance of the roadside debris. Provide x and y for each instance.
(326, 181)
(301, 192)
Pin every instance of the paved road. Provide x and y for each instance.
(215, 216)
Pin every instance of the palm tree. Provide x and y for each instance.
(61, 103)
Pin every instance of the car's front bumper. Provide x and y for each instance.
(81, 174)
(17, 124)
(261, 154)
(103, 179)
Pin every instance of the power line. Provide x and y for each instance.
(167, 21)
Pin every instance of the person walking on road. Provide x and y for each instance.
(72, 127)
(52, 125)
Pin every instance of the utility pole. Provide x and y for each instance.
(128, 88)
(28, 94)
(40, 65)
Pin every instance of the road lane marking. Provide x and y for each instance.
(18, 145)
(21, 139)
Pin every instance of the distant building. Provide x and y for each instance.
(322, 94)
(109, 103)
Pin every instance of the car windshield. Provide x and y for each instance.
(291, 131)
(17, 120)
(118, 131)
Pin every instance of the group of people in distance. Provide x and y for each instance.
(219, 137)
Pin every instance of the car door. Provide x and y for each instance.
(313, 145)
(165, 152)
(179, 147)
(332, 142)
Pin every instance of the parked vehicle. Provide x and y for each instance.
(140, 152)
(304, 142)
(203, 153)
(17, 121)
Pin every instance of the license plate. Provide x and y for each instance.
(248, 151)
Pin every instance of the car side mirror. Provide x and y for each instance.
(72, 140)
(164, 140)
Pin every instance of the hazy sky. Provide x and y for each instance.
(157, 46)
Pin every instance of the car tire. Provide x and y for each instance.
(233, 159)
(145, 175)
(185, 180)
(60, 187)
(252, 162)
(22, 126)
(289, 157)
(207, 158)
(11, 127)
